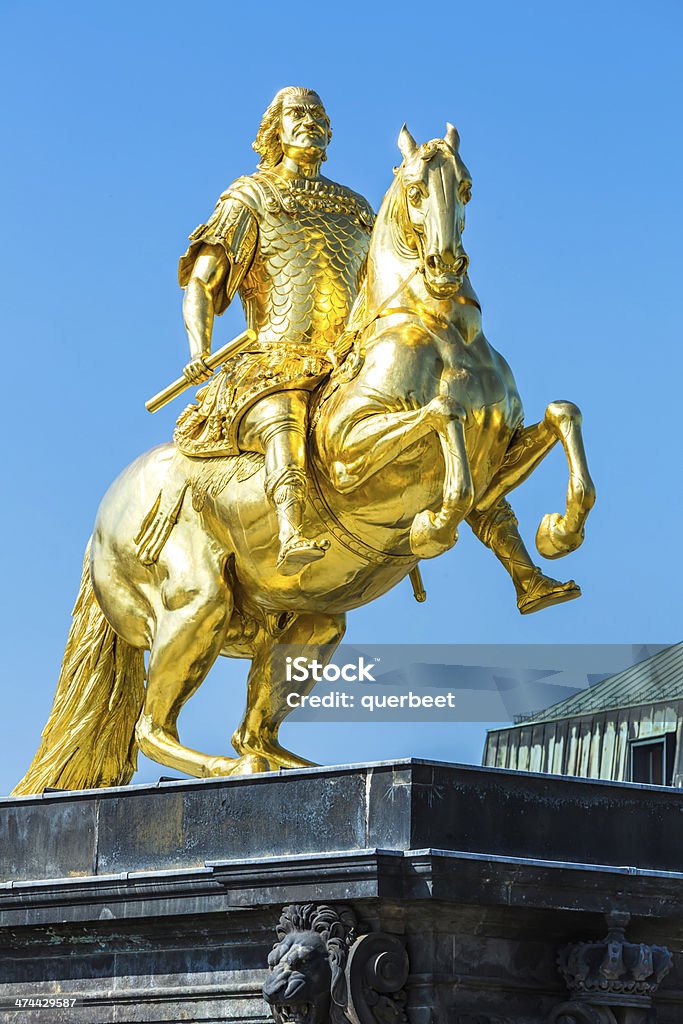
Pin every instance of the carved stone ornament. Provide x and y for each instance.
(323, 972)
(612, 981)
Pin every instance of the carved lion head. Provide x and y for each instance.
(307, 984)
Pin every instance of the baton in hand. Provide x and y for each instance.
(213, 361)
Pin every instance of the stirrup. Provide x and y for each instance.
(298, 552)
(539, 595)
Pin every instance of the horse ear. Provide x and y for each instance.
(406, 143)
(451, 137)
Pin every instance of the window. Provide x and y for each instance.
(652, 761)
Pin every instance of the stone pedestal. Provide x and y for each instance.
(160, 903)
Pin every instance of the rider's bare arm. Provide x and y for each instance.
(209, 275)
(212, 270)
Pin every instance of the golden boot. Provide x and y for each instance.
(278, 425)
(497, 529)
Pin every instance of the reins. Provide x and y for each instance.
(369, 321)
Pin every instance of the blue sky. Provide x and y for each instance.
(124, 121)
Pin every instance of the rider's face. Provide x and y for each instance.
(303, 129)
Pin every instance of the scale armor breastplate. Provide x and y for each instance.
(297, 252)
(309, 261)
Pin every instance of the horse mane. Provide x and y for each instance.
(393, 208)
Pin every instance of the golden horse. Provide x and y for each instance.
(419, 427)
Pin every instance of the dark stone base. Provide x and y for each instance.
(159, 903)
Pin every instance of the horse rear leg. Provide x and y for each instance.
(314, 635)
(189, 637)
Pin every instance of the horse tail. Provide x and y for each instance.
(89, 739)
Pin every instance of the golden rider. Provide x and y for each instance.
(293, 245)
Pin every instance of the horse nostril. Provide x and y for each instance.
(447, 262)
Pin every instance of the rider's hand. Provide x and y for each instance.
(196, 371)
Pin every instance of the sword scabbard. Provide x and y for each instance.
(419, 592)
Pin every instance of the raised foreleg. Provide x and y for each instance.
(372, 441)
(314, 635)
(558, 534)
(379, 438)
(432, 533)
(528, 449)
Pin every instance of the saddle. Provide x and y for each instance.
(205, 479)
(206, 432)
(209, 427)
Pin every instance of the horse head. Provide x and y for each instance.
(430, 192)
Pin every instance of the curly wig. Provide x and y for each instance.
(267, 141)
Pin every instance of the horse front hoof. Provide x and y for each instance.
(553, 540)
(429, 539)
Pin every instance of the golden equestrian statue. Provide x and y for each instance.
(360, 419)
